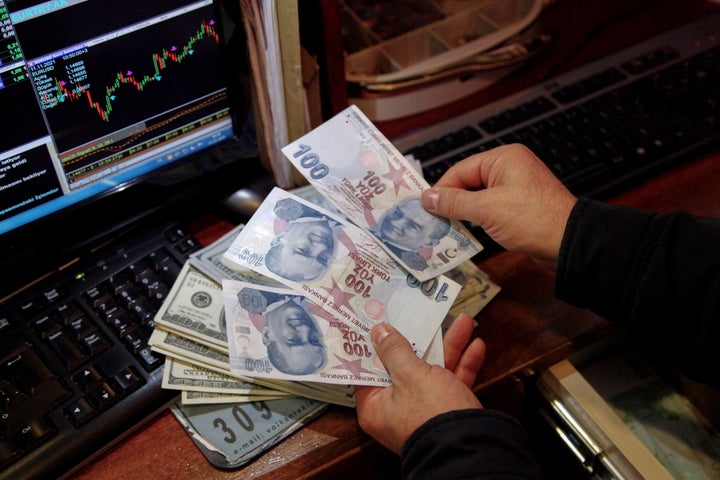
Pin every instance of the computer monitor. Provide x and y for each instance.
(112, 111)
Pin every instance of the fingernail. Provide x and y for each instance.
(380, 331)
(430, 199)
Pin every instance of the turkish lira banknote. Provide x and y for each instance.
(209, 260)
(277, 333)
(351, 163)
(341, 268)
(191, 328)
(185, 349)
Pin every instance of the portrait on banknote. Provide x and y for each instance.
(276, 333)
(357, 170)
(292, 338)
(303, 247)
(410, 232)
(362, 284)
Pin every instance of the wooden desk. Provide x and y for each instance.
(525, 327)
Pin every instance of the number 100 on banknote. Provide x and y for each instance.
(358, 170)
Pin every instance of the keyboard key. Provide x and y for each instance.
(119, 281)
(21, 366)
(69, 312)
(170, 272)
(69, 353)
(103, 396)
(32, 305)
(139, 269)
(128, 380)
(80, 412)
(88, 377)
(96, 296)
(107, 306)
(10, 395)
(130, 294)
(93, 344)
(143, 309)
(149, 359)
(188, 245)
(174, 234)
(6, 322)
(122, 324)
(54, 294)
(134, 340)
(159, 258)
(81, 327)
(30, 435)
(45, 326)
(154, 287)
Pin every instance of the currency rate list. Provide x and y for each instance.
(13, 77)
(9, 47)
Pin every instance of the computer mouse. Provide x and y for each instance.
(245, 201)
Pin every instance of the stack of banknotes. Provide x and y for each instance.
(282, 306)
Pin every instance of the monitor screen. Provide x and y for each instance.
(97, 96)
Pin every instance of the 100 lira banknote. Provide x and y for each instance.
(279, 334)
(341, 268)
(358, 170)
(209, 260)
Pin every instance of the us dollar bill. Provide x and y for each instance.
(363, 175)
(277, 333)
(191, 397)
(172, 345)
(177, 346)
(194, 308)
(478, 289)
(341, 268)
(181, 375)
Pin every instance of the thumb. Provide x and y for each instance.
(452, 202)
(395, 352)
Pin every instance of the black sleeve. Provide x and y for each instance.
(469, 444)
(657, 276)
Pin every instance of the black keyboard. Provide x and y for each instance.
(76, 372)
(604, 125)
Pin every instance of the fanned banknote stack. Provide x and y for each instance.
(190, 330)
(282, 306)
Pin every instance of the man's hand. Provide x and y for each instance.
(419, 391)
(511, 195)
